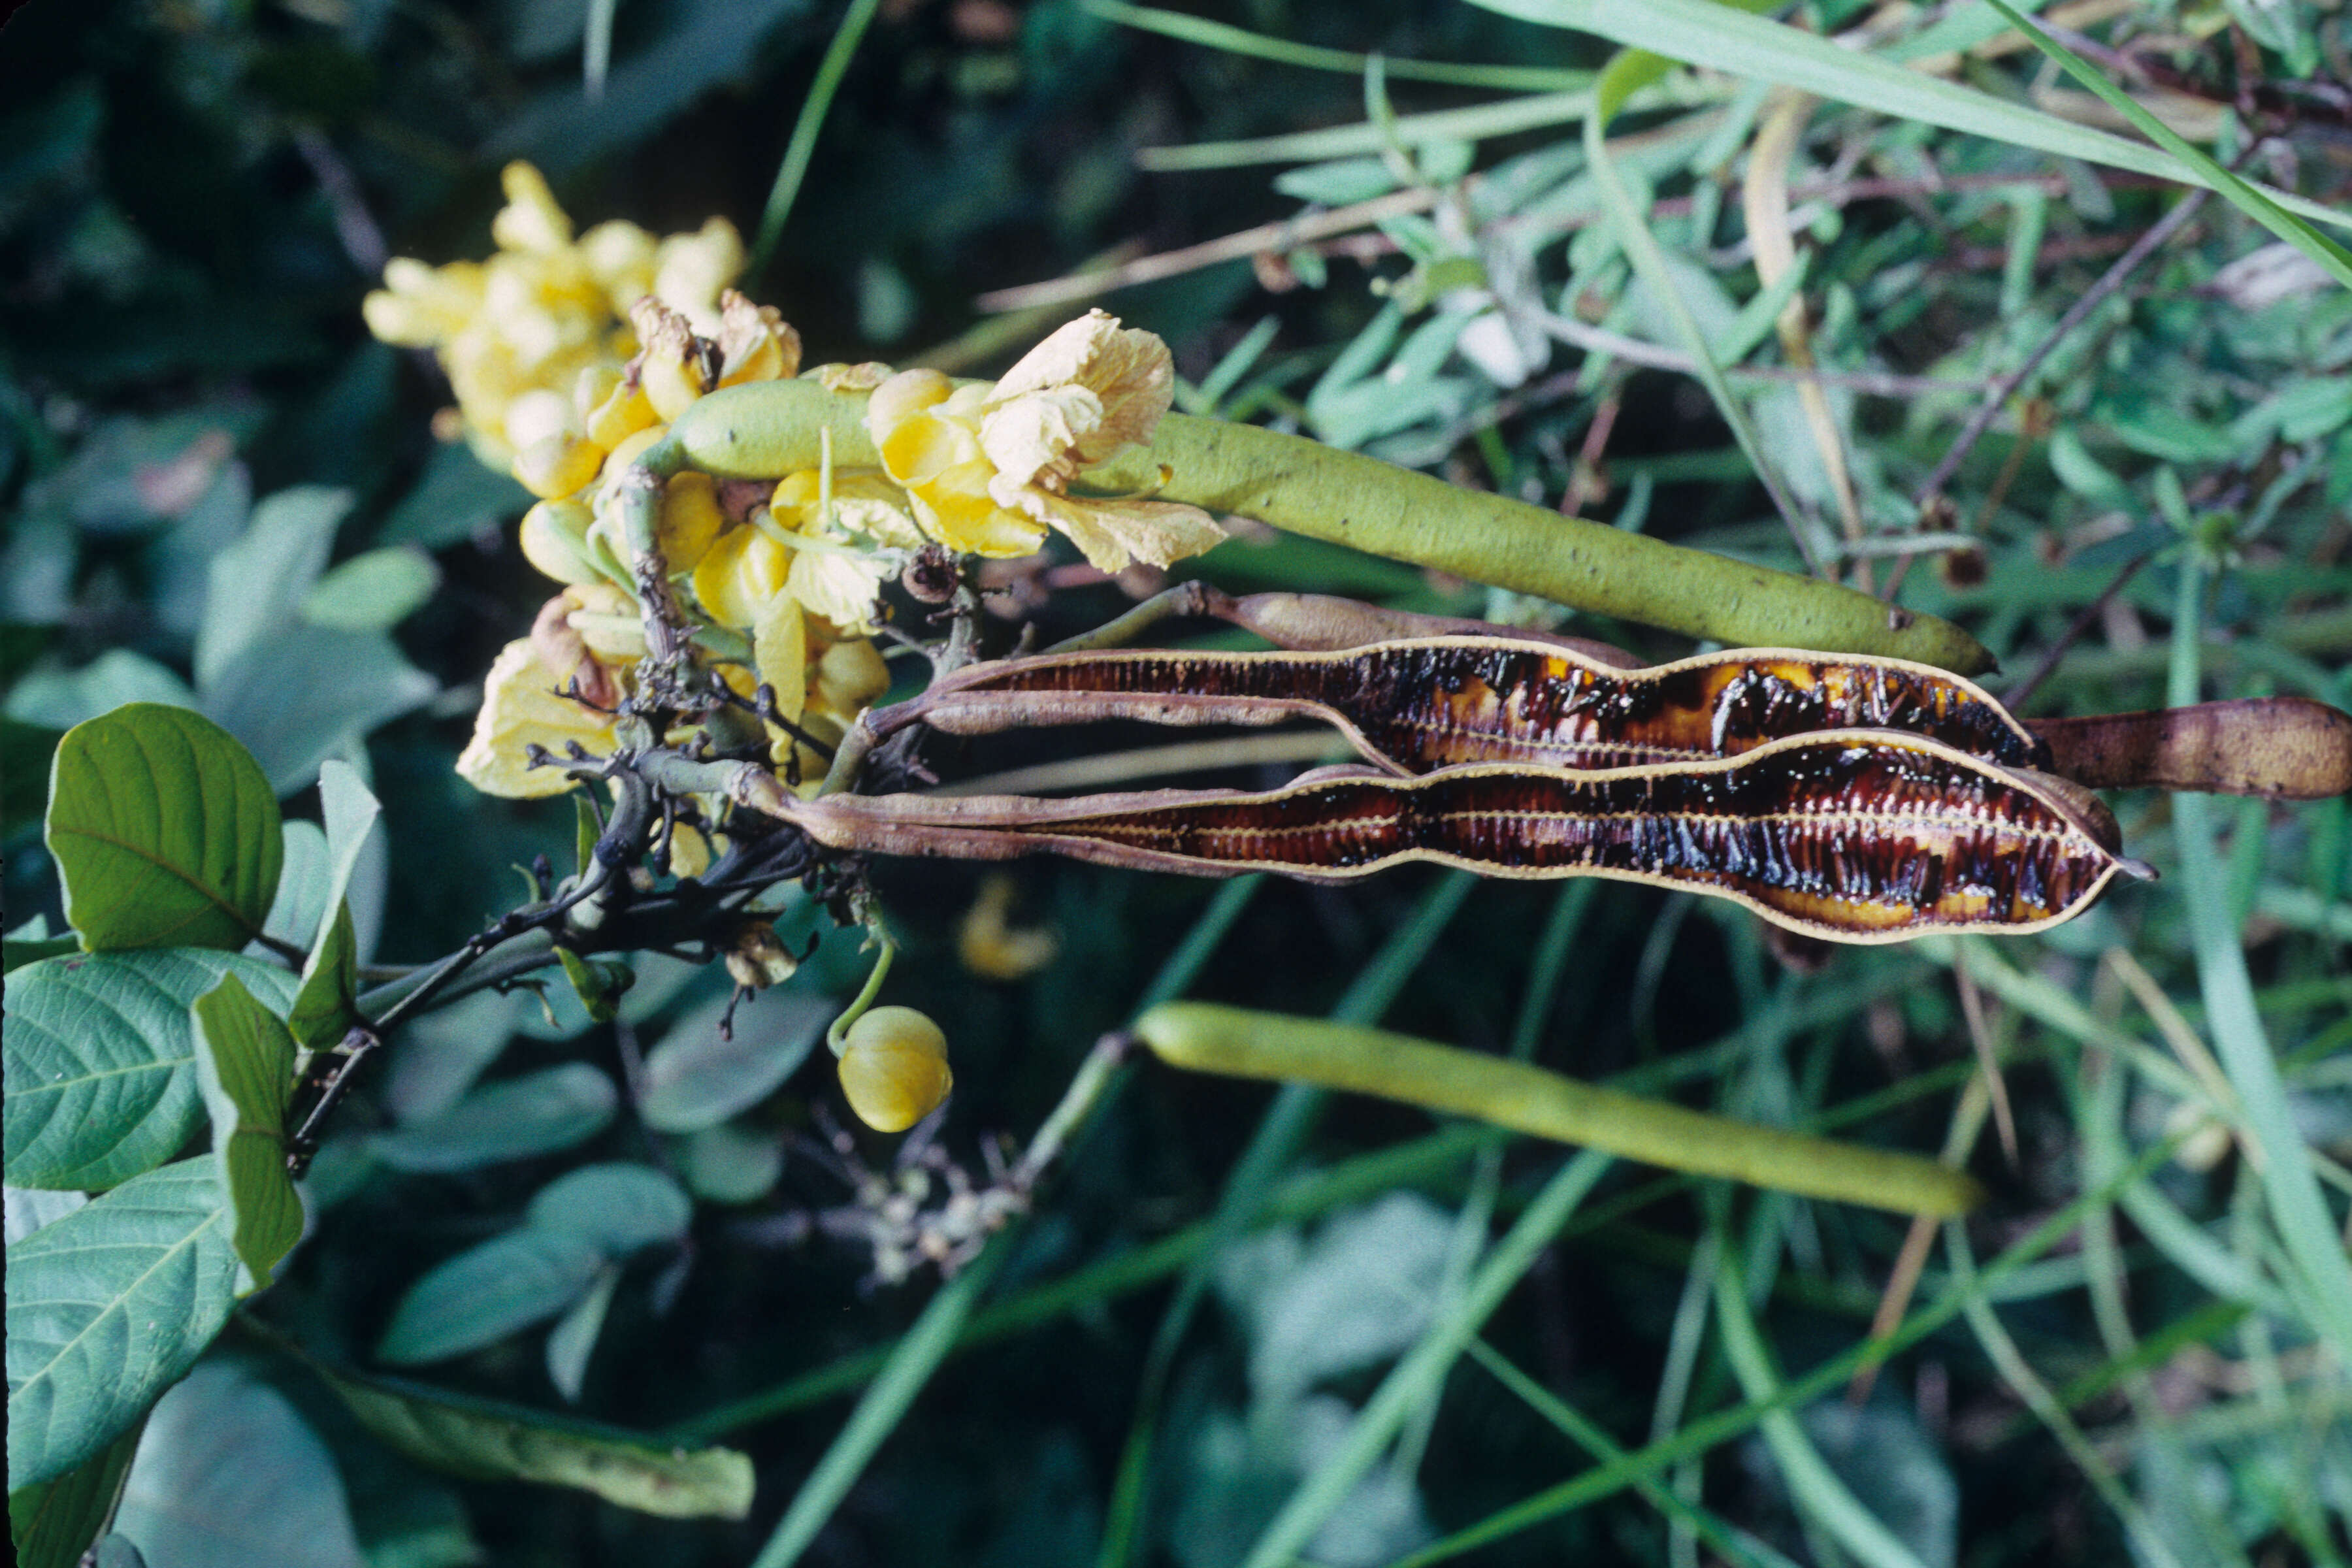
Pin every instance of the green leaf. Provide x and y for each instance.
(574, 1340)
(589, 983)
(2250, 199)
(618, 1208)
(107, 1308)
(308, 692)
(61, 699)
(100, 1066)
(258, 584)
(245, 1065)
(52, 1523)
(456, 496)
(373, 592)
(1720, 37)
(728, 1163)
(18, 952)
(230, 1476)
(298, 912)
(487, 1292)
(327, 1006)
(164, 831)
(696, 1080)
(483, 1440)
(536, 1113)
(324, 1008)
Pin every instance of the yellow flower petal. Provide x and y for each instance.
(521, 708)
(531, 221)
(741, 574)
(691, 520)
(1129, 373)
(1114, 532)
(779, 652)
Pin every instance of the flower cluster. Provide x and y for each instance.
(515, 332)
(571, 357)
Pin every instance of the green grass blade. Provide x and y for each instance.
(1232, 40)
(803, 146)
(2297, 1208)
(1702, 33)
(918, 1353)
(1415, 1379)
(2331, 257)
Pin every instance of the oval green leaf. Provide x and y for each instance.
(107, 1308)
(696, 1080)
(616, 1208)
(230, 1476)
(100, 1067)
(487, 1292)
(482, 1440)
(244, 1066)
(165, 832)
(536, 1113)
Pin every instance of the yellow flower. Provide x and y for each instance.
(519, 328)
(1074, 401)
(520, 709)
(990, 470)
(994, 949)
(832, 564)
(928, 431)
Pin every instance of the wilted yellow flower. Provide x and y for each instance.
(520, 709)
(991, 469)
(993, 948)
(833, 565)
(1074, 401)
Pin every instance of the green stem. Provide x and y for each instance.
(767, 429)
(1530, 1099)
(836, 1038)
(829, 72)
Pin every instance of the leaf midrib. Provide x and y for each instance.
(251, 930)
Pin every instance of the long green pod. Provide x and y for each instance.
(767, 429)
(1518, 1095)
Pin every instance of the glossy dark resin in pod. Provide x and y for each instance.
(1853, 836)
(1432, 702)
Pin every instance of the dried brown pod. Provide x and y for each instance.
(2281, 748)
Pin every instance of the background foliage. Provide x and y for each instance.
(223, 495)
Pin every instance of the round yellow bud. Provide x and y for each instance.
(691, 520)
(557, 466)
(555, 539)
(894, 1068)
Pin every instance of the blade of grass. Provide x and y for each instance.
(1702, 33)
(2332, 257)
(1629, 70)
(803, 146)
(1279, 1133)
(596, 47)
(1710, 1431)
(2028, 1385)
(1416, 1379)
(1733, 1543)
(919, 1351)
(1816, 1489)
(2296, 1207)
(1232, 40)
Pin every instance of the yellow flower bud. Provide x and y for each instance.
(557, 466)
(671, 366)
(894, 1068)
(596, 384)
(850, 676)
(625, 411)
(691, 520)
(555, 539)
(631, 448)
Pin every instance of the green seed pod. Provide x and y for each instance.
(894, 1068)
